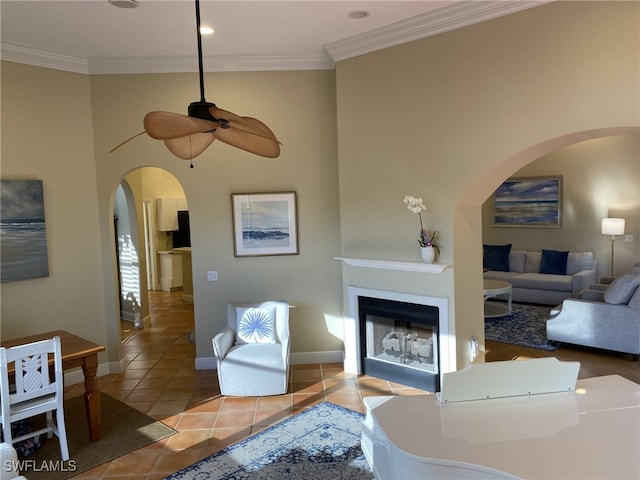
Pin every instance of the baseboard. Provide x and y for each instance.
(298, 358)
(74, 376)
(304, 358)
(206, 363)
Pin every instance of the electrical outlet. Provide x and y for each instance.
(628, 238)
(212, 276)
(474, 347)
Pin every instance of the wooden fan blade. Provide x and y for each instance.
(270, 147)
(167, 125)
(245, 133)
(127, 140)
(191, 146)
(246, 124)
(260, 125)
(246, 141)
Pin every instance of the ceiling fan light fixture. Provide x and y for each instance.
(124, 3)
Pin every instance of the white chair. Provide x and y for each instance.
(252, 352)
(35, 391)
(9, 463)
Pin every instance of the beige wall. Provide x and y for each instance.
(47, 134)
(446, 118)
(300, 108)
(601, 178)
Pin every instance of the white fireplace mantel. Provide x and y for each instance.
(396, 265)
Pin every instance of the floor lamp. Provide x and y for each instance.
(613, 227)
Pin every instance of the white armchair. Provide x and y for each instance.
(9, 463)
(252, 352)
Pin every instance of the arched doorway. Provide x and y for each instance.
(127, 250)
(147, 205)
(467, 217)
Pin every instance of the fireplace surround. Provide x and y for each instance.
(397, 336)
(399, 342)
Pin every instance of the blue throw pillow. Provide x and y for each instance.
(554, 262)
(496, 257)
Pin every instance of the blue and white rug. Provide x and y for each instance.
(525, 326)
(320, 443)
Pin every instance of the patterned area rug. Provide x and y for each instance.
(525, 326)
(321, 443)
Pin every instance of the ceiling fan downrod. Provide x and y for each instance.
(201, 109)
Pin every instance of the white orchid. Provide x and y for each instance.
(416, 205)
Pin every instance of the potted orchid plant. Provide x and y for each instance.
(425, 239)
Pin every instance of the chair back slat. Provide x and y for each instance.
(33, 382)
(32, 373)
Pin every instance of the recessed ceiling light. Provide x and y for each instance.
(206, 30)
(358, 14)
(124, 3)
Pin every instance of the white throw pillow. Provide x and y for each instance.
(255, 325)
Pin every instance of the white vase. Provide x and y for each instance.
(428, 254)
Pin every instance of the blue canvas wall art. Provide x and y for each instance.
(23, 234)
(528, 202)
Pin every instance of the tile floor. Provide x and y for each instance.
(160, 380)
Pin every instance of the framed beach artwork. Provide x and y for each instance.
(528, 202)
(23, 235)
(265, 224)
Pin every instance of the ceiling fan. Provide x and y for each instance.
(187, 136)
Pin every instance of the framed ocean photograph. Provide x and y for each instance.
(265, 224)
(23, 234)
(528, 202)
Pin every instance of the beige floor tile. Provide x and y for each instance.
(188, 439)
(242, 418)
(193, 421)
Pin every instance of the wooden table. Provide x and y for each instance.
(76, 352)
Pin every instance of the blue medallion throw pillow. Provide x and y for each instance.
(554, 262)
(255, 325)
(496, 257)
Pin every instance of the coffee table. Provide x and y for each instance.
(492, 289)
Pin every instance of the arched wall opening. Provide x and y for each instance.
(467, 238)
(138, 193)
(127, 251)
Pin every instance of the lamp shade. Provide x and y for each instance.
(613, 226)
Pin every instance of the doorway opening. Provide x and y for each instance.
(146, 206)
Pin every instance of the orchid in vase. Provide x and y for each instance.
(425, 239)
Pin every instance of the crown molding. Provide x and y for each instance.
(442, 20)
(438, 21)
(37, 57)
(212, 63)
(162, 64)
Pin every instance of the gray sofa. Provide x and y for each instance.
(607, 319)
(531, 286)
